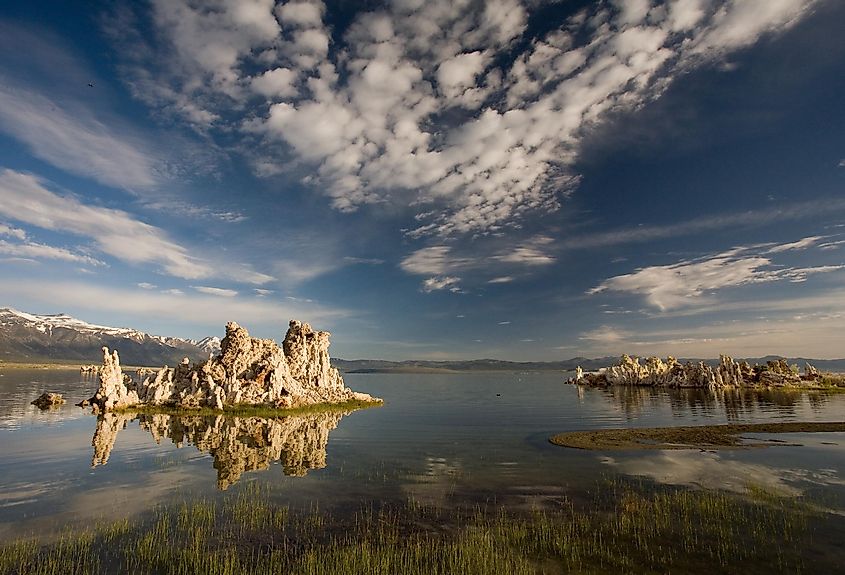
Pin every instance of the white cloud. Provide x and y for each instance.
(440, 282)
(801, 244)
(501, 280)
(740, 23)
(605, 335)
(279, 82)
(686, 283)
(10, 231)
(432, 260)
(166, 306)
(531, 255)
(74, 141)
(33, 250)
(263, 292)
(215, 291)
(685, 14)
(369, 115)
(762, 217)
(147, 285)
(115, 232)
(306, 14)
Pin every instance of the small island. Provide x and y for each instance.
(247, 373)
(671, 373)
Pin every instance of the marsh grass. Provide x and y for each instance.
(248, 410)
(624, 529)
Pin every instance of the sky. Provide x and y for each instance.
(432, 179)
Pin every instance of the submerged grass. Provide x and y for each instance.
(624, 529)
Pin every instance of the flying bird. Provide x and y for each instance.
(90, 84)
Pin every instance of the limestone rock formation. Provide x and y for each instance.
(47, 400)
(671, 373)
(116, 390)
(247, 371)
(237, 444)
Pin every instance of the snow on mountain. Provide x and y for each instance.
(211, 345)
(60, 336)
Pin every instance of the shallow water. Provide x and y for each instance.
(439, 439)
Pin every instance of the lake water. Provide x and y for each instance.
(439, 439)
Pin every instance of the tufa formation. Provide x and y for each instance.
(247, 371)
(671, 373)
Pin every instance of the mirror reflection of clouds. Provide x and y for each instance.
(790, 471)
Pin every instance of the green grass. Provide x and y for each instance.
(623, 530)
(248, 410)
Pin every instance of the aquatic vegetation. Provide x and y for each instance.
(686, 437)
(624, 529)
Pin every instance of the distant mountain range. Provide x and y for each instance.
(588, 364)
(26, 337)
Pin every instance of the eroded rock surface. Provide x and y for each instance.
(237, 444)
(47, 400)
(671, 373)
(247, 371)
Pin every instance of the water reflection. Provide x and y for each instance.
(237, 444)
(734, 404)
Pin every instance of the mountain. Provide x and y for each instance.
(423, 366)
(426, 366)
(26, 337)
(30, 337)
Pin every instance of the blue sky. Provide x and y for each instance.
(442, 179)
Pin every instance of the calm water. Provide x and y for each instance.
(441, 439)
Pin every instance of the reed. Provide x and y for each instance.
(623, 529)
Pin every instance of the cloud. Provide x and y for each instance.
(754, 218)
(367, 261)
(115, 232)
(279, 82)
(170, 306)
(146, 285)
(263, 292)
(605, 334)
(685, 283)
(527, 255)
(501, 280)
(433, 260)
(440, 283)
(797, 245)
(215, 291)
(367, 109)
(75, 141)
(38, 251)
(9, 231)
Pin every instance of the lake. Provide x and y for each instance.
(441, 440)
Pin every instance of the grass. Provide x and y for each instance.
(694, 437)
(623, 530)
(249, 410)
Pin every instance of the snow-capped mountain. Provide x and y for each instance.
(32, 337)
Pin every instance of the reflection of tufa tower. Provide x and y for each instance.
(237, 444)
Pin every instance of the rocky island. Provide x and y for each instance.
(247, 372)
(656, 372)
